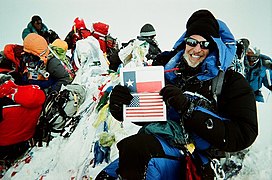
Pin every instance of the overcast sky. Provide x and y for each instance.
(246, 18)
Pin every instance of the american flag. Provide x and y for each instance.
(145, 106)
(145, 84)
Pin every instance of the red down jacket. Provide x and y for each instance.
(19, 114)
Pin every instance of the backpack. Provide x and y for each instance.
(59, 113)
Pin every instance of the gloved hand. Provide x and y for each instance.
(267, 63)
(120, 95)
(4, 78)
(174, 97)
(114, 60)
(7, 88)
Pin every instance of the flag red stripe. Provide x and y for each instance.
(146, 112)
(154, 86)
(144, 108)
(145, 115)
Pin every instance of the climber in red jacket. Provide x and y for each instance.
(20, 108)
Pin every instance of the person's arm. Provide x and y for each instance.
(69, 39)
(267, 63)
(25, 32)
(237, 104)
(58, 73)
(30, 96)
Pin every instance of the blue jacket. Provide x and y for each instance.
(258, 75)
(226, 45)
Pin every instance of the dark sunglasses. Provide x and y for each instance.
(193, 43)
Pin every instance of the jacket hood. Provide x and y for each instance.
(32, 28)
(218, 59)
(36, 45)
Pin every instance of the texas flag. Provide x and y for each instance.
(145, 84)
(143, 79)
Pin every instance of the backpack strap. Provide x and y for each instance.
(217, 84)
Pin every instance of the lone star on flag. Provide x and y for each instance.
(130, 83)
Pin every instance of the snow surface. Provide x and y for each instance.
(68, 158)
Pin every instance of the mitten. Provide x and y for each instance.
(174, 97)
(120, 95)
(267, 63)
(4, 78)
(114, 60)
(7, 88)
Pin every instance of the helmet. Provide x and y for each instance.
(79, 23)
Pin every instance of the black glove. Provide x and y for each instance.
(174, 97)
(4, 78)
(120, 95)
(267, 63)
(114, 60)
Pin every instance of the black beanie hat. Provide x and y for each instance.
(147, 30)
(203, 23)
(35, 18)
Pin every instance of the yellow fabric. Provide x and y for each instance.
(190, 147)
(36, 45)
(60, 44)
(102, 116)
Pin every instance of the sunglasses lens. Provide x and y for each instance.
(192, 42)
(204, 44)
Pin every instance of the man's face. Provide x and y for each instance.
(38, 25)
(195, 53)
(252, 60)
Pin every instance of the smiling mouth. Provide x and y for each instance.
(195, 56)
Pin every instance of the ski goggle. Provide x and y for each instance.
(252, 58)
(193, 43)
